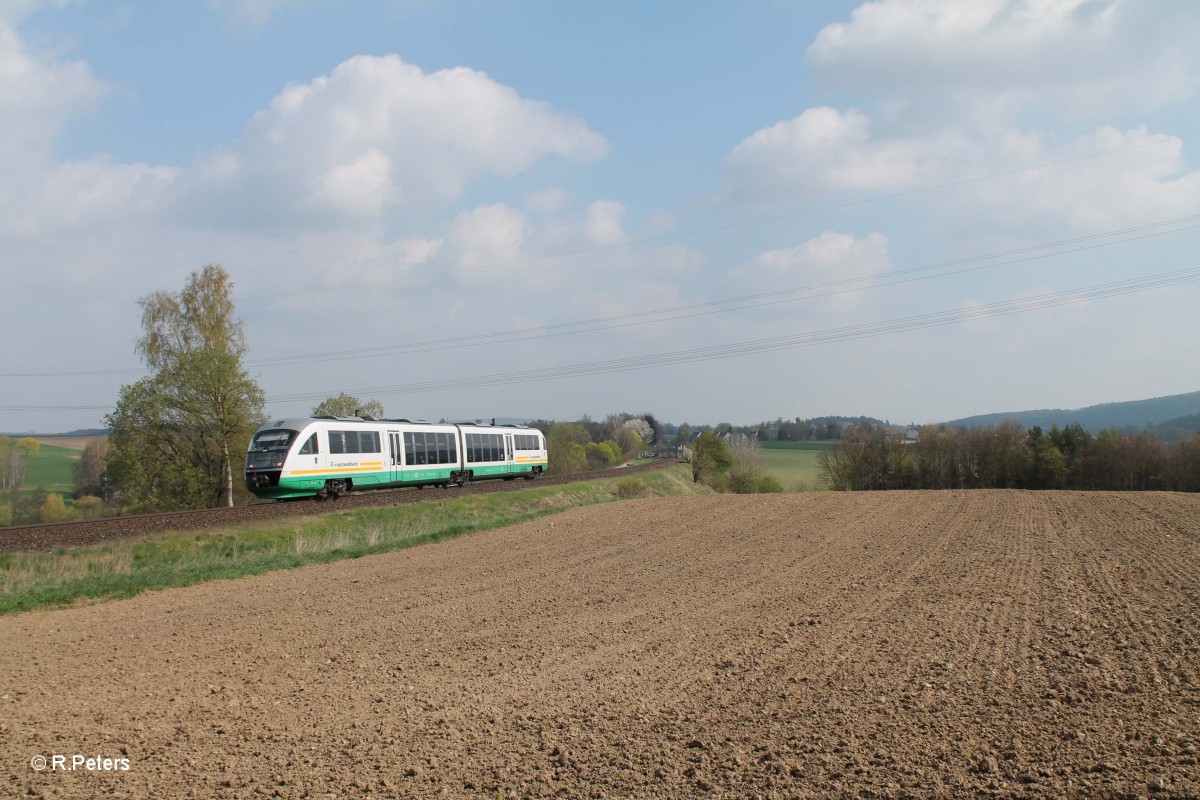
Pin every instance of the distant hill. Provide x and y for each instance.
(1179, 429)
(77, 432)
(1133, 414)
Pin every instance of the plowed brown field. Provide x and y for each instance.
(916, 644)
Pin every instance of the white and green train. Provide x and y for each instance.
(327, 456)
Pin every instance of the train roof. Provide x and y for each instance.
(296, 423)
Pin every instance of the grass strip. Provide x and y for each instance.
(125, 568)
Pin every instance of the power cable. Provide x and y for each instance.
(759, 300)
(755, 346)
(730, 350)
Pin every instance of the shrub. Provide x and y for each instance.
(767, 484)
(55, 510)
(630, 487)
(90, 507)
(602, 454)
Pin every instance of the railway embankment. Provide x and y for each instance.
(127, 565)
(53, 536)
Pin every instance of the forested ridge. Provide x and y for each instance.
(1164, 413)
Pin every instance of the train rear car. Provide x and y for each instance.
(503, 451)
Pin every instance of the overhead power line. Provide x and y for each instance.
(828, 336)
(708, 307)
(735, 349)
(743, 303)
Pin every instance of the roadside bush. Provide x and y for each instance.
(565, 443)
(27, 506)
(767, 484)
(55, 510)
(630, 487)
(743, 481)
(717, 481)
(710, 461)
(6, 515)
(90, 507)
(602, 454)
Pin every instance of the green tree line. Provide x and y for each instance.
(1009, 456)
(597, 444)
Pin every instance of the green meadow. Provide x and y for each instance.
(53, 468)
(793, 464)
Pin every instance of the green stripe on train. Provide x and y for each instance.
(308, 485)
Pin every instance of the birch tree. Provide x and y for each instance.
(177, 434)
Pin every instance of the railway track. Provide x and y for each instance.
(52, 536)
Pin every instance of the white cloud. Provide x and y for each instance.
(829, 256)
(86, 194)
(603, 224)
(38, 94)
(549, 201)
(488, 239)
(379, 133)
(822, 150)
(1101, 180)
(1147, 181)
(1076, 57)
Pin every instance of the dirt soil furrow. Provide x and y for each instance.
(887, 645)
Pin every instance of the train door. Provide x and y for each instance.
(509, 461)
(396, 455)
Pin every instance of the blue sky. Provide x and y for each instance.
(375, 175)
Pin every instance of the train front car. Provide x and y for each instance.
(271, 460)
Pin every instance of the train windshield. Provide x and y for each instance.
(272, 440)
(269, 449)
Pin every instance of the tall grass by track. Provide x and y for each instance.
(128, 567)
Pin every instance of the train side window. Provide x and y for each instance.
(372, 445)
(310, 447)
(443, 450)
(452, 442)
(336, 443)
(408, 448)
